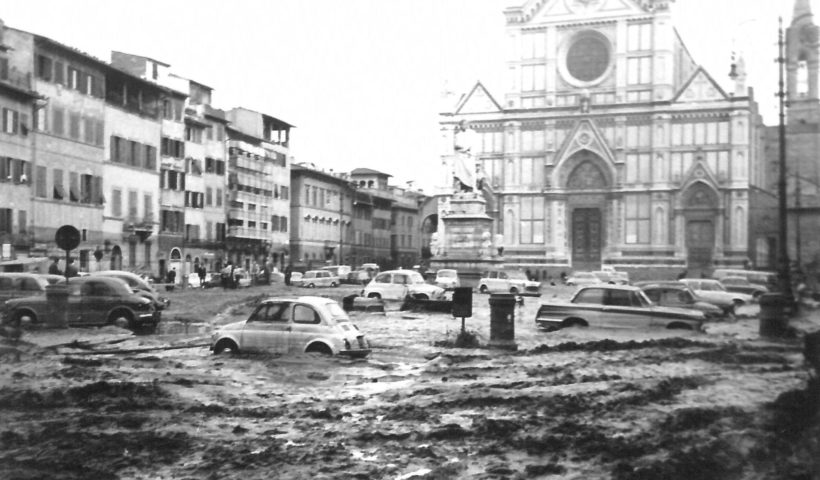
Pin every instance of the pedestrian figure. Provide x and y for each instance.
(202, 273)
(172, 276)
(288, 272)
(71, 269)
(225, 275)
(54, 268)
(232, 278)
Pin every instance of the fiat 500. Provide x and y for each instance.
(294, 325)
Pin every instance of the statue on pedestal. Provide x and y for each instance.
(464, 166)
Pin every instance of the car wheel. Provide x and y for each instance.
(310, 285)
(421, 296)
(575, 323)
(225, 344)
(483, 289)
(319, 348)
(514, 290)
(332, 284)
(121, 318)
(679, 326)
(374, 296)
(23, 317)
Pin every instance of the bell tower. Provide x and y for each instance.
(802, 65)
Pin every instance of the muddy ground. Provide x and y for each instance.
(572, 404)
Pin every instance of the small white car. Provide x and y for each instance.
(293, 325)
(318, 278)
(447, 278)
(508, 281)
(398, 284)
(584, 278)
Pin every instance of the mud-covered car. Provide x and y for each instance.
(20, 284)
(679, 295)
(508, 281)
(447, 278)
(92, 300)
(283, 325)
(614, 306)
(317, 278)
(138, 285)
(743, 285)
(714, 292)
(583, 278)
(398, 284)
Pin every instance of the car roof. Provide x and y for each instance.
(610, 286)
(311, 299)
(403, 270)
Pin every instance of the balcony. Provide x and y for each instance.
(142, 227)
(245, 232)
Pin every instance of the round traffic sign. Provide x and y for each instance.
(67, 237)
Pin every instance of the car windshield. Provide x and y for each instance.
(447, 273)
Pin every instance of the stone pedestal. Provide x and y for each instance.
(467, 244)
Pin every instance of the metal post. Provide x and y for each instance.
(785, 275)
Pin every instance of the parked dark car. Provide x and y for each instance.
(19, 284)
(680, 296)
(92, 300)
(138, 285)
(615, 306)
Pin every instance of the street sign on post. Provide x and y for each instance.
(67, 238)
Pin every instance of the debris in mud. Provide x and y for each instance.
(608, 345)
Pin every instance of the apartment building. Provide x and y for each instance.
(133, 129)
(258, 191)
(405, 223)
(18, 101)
(321, 211)
(372, 217)
(64, 177)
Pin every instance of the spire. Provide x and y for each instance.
(802, 8)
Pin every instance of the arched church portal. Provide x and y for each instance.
(701, 207)
(587, 184)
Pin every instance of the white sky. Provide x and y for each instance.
(362, 79)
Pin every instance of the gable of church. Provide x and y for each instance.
(550, 10)
(700, 87)
(478, 100)
(586, 137)
(699, 172)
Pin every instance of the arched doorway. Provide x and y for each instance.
(175, 262)
(586, 184)
(701, 206)
(116, 258)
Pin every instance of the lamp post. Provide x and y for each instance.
(785, 276)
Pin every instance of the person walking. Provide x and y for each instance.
(288, 272)
(202, 272)
(71, 269)
(172, 276)
(54, 268)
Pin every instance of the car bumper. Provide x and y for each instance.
(548, 323)
(148, 318)
(358, 353)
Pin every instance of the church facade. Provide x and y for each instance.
(612, 146)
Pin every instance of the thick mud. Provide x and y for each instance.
(575, 404)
